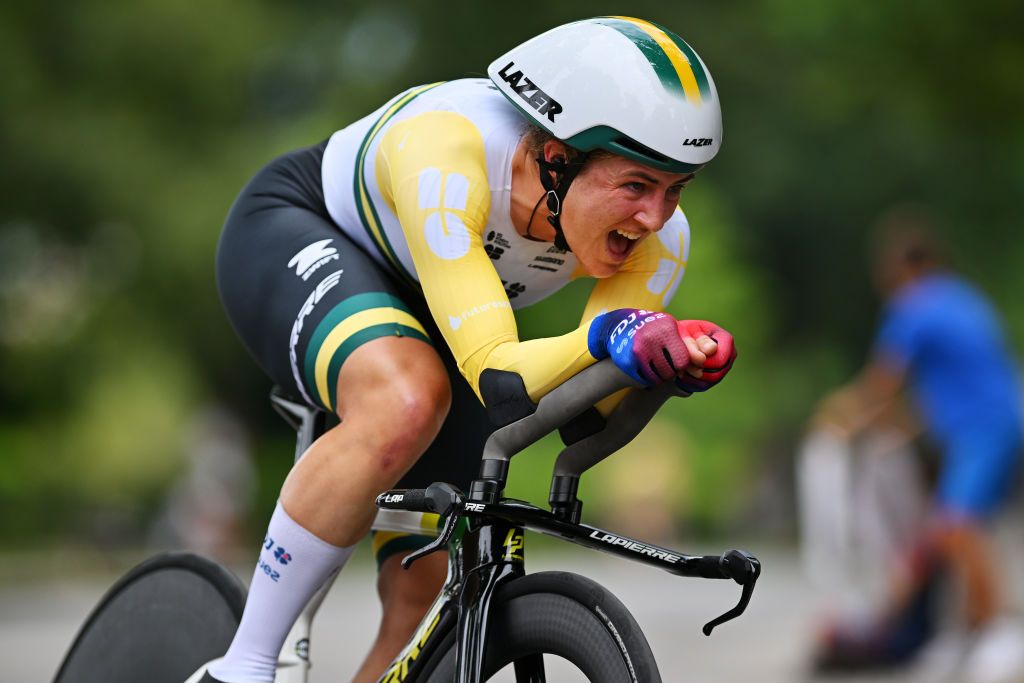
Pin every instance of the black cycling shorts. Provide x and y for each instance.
(302, 297)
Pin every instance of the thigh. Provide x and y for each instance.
(302, 297)
(299, 293)
(454, 455)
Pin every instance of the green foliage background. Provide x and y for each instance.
(127, 129)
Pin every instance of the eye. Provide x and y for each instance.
(637, 188)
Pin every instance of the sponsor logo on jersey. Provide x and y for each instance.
(635, 546)
(307, 261)
(444, 196)
(513, 289)
(697, 142)
(325, 285)
(530, 92)
(456, 320)
(496, 245)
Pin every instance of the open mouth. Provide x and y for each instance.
(621, 243)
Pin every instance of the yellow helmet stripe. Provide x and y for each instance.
(679, 61)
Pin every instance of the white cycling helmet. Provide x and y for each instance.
(620, 84)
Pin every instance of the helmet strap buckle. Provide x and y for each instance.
(557, 187)
(554, 204)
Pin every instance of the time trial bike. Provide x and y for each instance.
(169, 617)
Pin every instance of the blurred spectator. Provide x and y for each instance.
(942, 340)
(860, 499)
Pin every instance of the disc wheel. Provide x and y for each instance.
(159, 623)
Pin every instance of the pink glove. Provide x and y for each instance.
(717, 365)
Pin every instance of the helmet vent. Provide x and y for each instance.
(642, 150)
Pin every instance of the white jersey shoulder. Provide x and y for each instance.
(529, 270)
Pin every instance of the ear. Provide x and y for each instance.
(555, 150)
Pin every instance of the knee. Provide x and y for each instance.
(402, 390)
(416, 409)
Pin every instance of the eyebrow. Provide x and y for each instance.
(654, 181)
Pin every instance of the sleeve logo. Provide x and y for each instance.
(447, 235)
(670, 271)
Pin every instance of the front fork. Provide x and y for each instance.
(491, 554)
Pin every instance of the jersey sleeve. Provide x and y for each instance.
(431, 170)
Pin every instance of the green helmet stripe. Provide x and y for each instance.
(651, 50)
(691, 56)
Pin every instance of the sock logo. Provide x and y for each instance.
(280, 554)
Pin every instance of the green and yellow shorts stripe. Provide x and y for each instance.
(347, 326)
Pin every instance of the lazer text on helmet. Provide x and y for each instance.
(530, 92)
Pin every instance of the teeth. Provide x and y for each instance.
(628, 235)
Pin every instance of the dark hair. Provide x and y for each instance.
(907, 235)
(536, 137)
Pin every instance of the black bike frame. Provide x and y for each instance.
(482, 556)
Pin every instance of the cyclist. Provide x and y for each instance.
(375, 275)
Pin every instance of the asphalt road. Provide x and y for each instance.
(768, 644)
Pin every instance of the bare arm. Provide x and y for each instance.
(863, 403)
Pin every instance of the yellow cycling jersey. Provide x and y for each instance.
(424, 183)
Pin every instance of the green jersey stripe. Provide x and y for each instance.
(364, 203)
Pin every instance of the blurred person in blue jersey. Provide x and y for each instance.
(942, 341)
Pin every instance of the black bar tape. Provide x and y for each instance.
(710, 567)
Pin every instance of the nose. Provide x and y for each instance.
(651, 214)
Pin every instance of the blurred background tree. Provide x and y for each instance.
(128, 128)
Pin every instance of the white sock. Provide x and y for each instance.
(293, 564)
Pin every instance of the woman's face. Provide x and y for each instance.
(613, 205)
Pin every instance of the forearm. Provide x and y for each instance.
(542, 363)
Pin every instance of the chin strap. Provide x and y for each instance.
(557, 187)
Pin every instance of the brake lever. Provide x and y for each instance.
(440, 542)
(744, 569)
